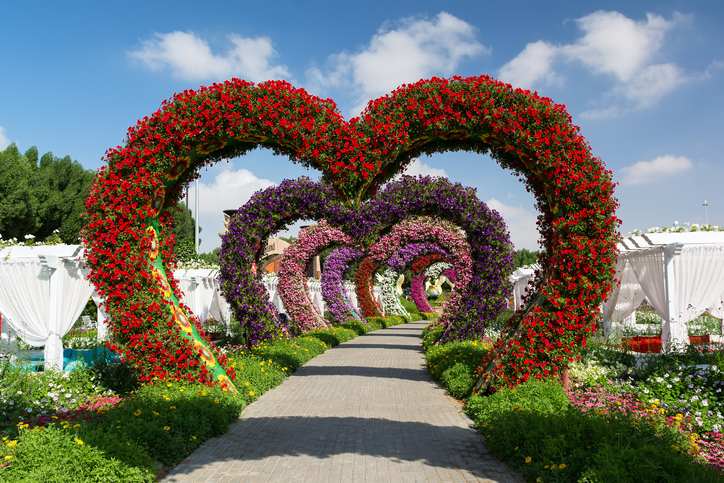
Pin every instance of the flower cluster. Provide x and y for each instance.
(523, 132)
(437, 269)
(444, 235)
(267, 212)
(336, 265)
(387, 280)
(292, 280)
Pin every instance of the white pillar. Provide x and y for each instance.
(673, 331)
(53, 352)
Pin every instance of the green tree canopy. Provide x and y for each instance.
(524, 257)
(61, 187)
(18, 203)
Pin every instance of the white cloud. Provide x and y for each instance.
(417, 167)
(645, 172)
(190, 58)
(229, 191)
(533, 64)
(4, 141)
(521, 224)
(613, 45)
(417, 49)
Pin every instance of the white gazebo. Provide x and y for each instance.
(680, 274)
(43, 290)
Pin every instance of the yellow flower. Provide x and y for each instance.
(562, 466)
(538, 480)
(12, 443)
(554, 467)
(251, 393)
(674, 447)
(172, 407)
(600, 413)
(166, 428)
(193, 437)
(78, 441)
(528, 459)
(216, 401)
(155, 413)
(76, 425)
(137, 412)
(8, 457)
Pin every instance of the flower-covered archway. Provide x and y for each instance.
(292, 278)
(130, 251)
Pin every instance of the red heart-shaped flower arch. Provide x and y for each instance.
(130, 249)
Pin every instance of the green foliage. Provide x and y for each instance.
(356, 325)
(18, 201)
(172, 420)
(524, 257)
(533, 429)
(56, 455)
(334, 336)
(431, 334)
(61, 188)
(409, 306)
(116, 375)
(454, 364)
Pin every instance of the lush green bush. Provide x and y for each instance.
(55, 455)
(454, 365)
(533, 429)
(171, 420)
(431, 334)
(333, 337)
(357, 326)
(409, 306)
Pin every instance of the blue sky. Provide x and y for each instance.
(643, 80)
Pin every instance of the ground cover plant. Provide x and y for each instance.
(658, 420)
(74, 427)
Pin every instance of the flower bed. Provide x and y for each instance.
(648, 344)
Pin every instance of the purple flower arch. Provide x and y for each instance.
(336, 265)
(485, 230)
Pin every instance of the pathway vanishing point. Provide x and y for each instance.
(364, 411)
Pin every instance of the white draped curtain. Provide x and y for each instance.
(699, 275)
(625, 298)
(41, 302)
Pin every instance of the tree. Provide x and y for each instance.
(61, 187)
(524, 257)
(18, 203)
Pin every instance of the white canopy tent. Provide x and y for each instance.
(680, 274)
(520, 279)
(43, 290)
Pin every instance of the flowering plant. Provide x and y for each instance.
(292, 283)
(392, 304)
(523, 132)
(335, 266)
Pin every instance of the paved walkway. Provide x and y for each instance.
(364, 411)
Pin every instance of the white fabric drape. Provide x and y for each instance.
(25, 298)
(220, 309)
(717, 308)
(623, 299)
(41, 303)
(699, 274)
(198, 287)
(648, 265)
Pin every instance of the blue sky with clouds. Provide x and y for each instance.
(643, 80)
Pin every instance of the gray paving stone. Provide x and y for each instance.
(366, 410)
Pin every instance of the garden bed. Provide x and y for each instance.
(648, 344)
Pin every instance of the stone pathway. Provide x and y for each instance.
(364, 411)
